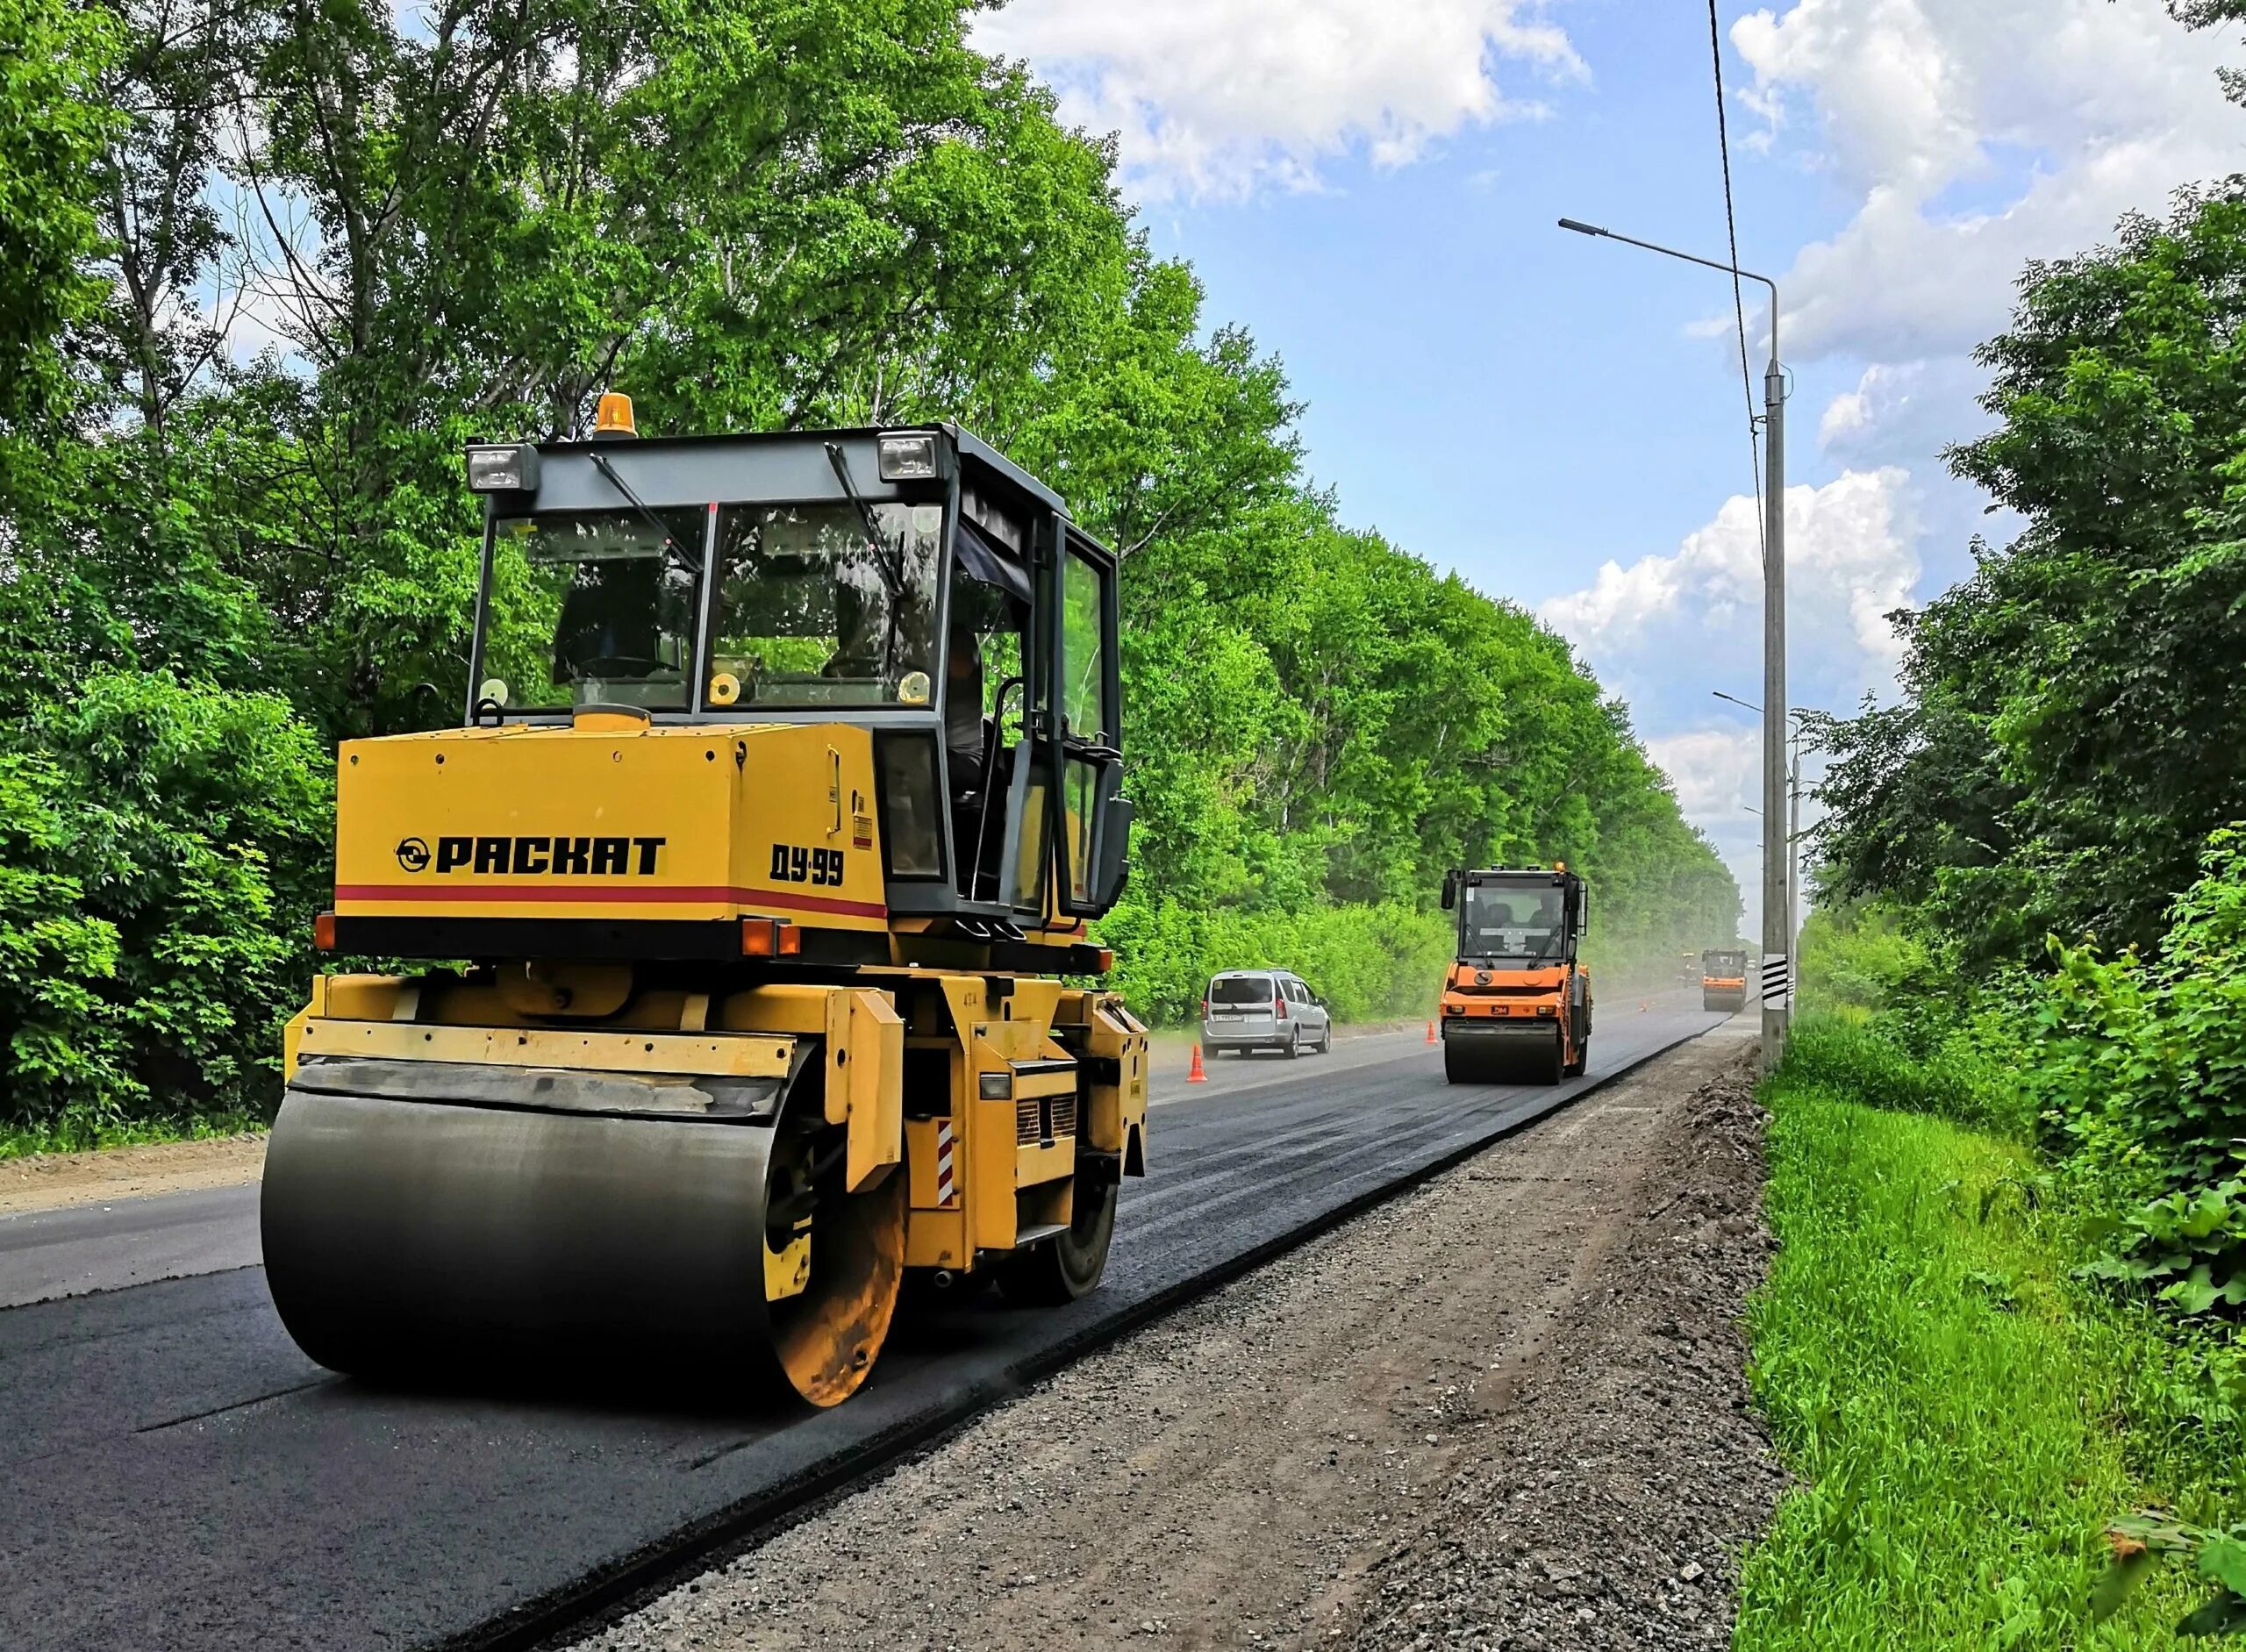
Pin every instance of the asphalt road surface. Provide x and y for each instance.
(179, 1477)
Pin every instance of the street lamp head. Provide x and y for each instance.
(1581, 229)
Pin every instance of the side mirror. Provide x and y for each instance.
(1114, 851)
(1449, 891)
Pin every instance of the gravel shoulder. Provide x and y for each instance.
(56, 1181)
(1506, 1410)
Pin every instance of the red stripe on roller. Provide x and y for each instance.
(610, 894)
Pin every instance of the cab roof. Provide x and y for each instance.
(967, 445)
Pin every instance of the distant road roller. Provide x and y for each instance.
(1516, 1006)
(788, 782)
(1723, 979)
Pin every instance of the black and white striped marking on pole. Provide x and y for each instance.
(1777, 981)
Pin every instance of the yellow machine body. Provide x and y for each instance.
(694, 1098)
(595, 820)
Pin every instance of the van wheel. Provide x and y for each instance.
(1294, 1046)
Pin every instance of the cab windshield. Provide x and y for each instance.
(1513, 924)
(594, 607)
(817, 606)
(1725, 964)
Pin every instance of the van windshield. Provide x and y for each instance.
(1242, 989)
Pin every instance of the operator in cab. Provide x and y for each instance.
(964, 724)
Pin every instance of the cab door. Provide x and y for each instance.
(1093, 818)
(1067, 813)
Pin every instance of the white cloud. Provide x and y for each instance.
(1667, 630)
(1978, 134)
(1903, 413)
(1718, 774)
(1850, 563)
(1218, 97)
(1906, 414)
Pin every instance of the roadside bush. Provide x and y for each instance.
(162, 849)
(1955, 1078)
(1861, 957)
(2142, 1078)
(1369, 963)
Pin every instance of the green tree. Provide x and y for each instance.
(2066, 740)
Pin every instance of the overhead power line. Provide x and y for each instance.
(1738, 297)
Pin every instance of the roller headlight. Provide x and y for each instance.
(512, 468)
(908, 457)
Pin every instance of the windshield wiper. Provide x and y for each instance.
(893, 576)
(663, 529)
(849, 486)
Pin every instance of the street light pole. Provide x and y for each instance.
(1793, 815)
(1793, 848)
(1776, 912)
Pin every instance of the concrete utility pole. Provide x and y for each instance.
(1778, 905)
(1793, 815)
(1793, 848)
(1777, 914)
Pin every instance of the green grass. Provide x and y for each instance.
(72, 1134)
(1956, 1409)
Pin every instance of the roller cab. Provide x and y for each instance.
(1517, 1001)
(789, 787)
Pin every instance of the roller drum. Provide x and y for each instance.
(429, 1239)
(1503, 1058)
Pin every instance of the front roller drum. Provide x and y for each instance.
(1504, 1059)
(431, 1241)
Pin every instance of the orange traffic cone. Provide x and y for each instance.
(1432, 1039)
(1194, 1074)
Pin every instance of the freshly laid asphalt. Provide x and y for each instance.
(126, 1241)
(179, 1477)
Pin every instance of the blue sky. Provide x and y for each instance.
(1372, 186)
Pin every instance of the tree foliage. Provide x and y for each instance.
(2053, 809)
(287, 257)
(2066, 743)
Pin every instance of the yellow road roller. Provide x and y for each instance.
(749, 909)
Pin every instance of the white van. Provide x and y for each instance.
(1263, 1009)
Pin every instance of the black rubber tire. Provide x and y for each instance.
(1576, 1068)
(1293, 1050)
(1069, 1265)
(1550, 1065)
(1210, 1052)
(1326, 1043)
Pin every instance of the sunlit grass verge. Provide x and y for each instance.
(1949, 1401)
(75, 1133)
